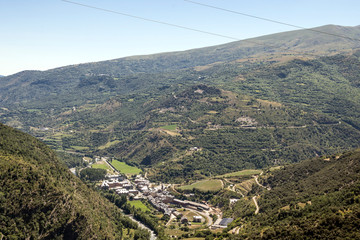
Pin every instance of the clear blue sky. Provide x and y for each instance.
(44, 34)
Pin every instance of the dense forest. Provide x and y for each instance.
(41, 199)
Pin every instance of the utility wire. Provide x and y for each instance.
(271, 20)
(186, 28)
(152, 20)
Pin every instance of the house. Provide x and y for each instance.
(194, 149)
(115, 177)
(122, 191)
(133, 191)
(111, 184)
(128, 186)
(233, 200)
(197, 219)
(184, 220)
(226, 221)
(177, 214)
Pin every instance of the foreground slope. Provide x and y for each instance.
(41, 199)
(315, 199)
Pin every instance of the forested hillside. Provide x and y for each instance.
(41, 199)
(315, 199)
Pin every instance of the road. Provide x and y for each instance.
(109, 164)
(152, 234)
(256, 204)
(257, 182)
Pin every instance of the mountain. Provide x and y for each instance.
(230, 131)
(243, 105)
(41, 199)
(314, 199)
(37, 85)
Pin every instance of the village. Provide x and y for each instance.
(161, 199)
(174, 213)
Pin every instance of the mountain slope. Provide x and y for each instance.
(144, 109)
(41, 199)
(315, 199)
(231, 131)
(36, 85)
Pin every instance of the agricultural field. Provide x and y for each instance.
(170, 127)
(101, 166)
(205, 185)
(80, 148)
(109, 144)
(247, 172)
(139, 204)
(124, 168)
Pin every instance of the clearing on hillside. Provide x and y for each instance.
(247, 172)
(204, 185)
(124, 168)
(170, 127)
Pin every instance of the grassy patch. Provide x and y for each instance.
(139, 204)
(275, 168)
(247, 172)
(100, 165)
(109, 144)
(124, 168)
(205, 185)
(170, 127)
(80, 148)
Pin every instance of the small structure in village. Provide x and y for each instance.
(197, 219)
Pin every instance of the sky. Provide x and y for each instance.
(45, 34)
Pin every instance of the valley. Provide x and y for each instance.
(237, 141)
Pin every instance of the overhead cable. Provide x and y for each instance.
(271, 20)
(186, 28)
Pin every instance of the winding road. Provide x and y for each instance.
(256, 204)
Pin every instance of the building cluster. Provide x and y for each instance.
(190, 204)
(159, 197)
(160, 204)
(120, 185)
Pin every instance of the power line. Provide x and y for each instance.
(152, 20)
(271, 20)
(186, 28)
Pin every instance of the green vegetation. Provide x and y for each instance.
(190, 116)
(92, 174)
(100, 165)
(80, 148)
(205, 185)
(139, 205)
(71, 160)
(109, 144)
(317, 198)
(241, 106)
(170, 127)
(125, 168)
(36, 189)
(247, 172)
